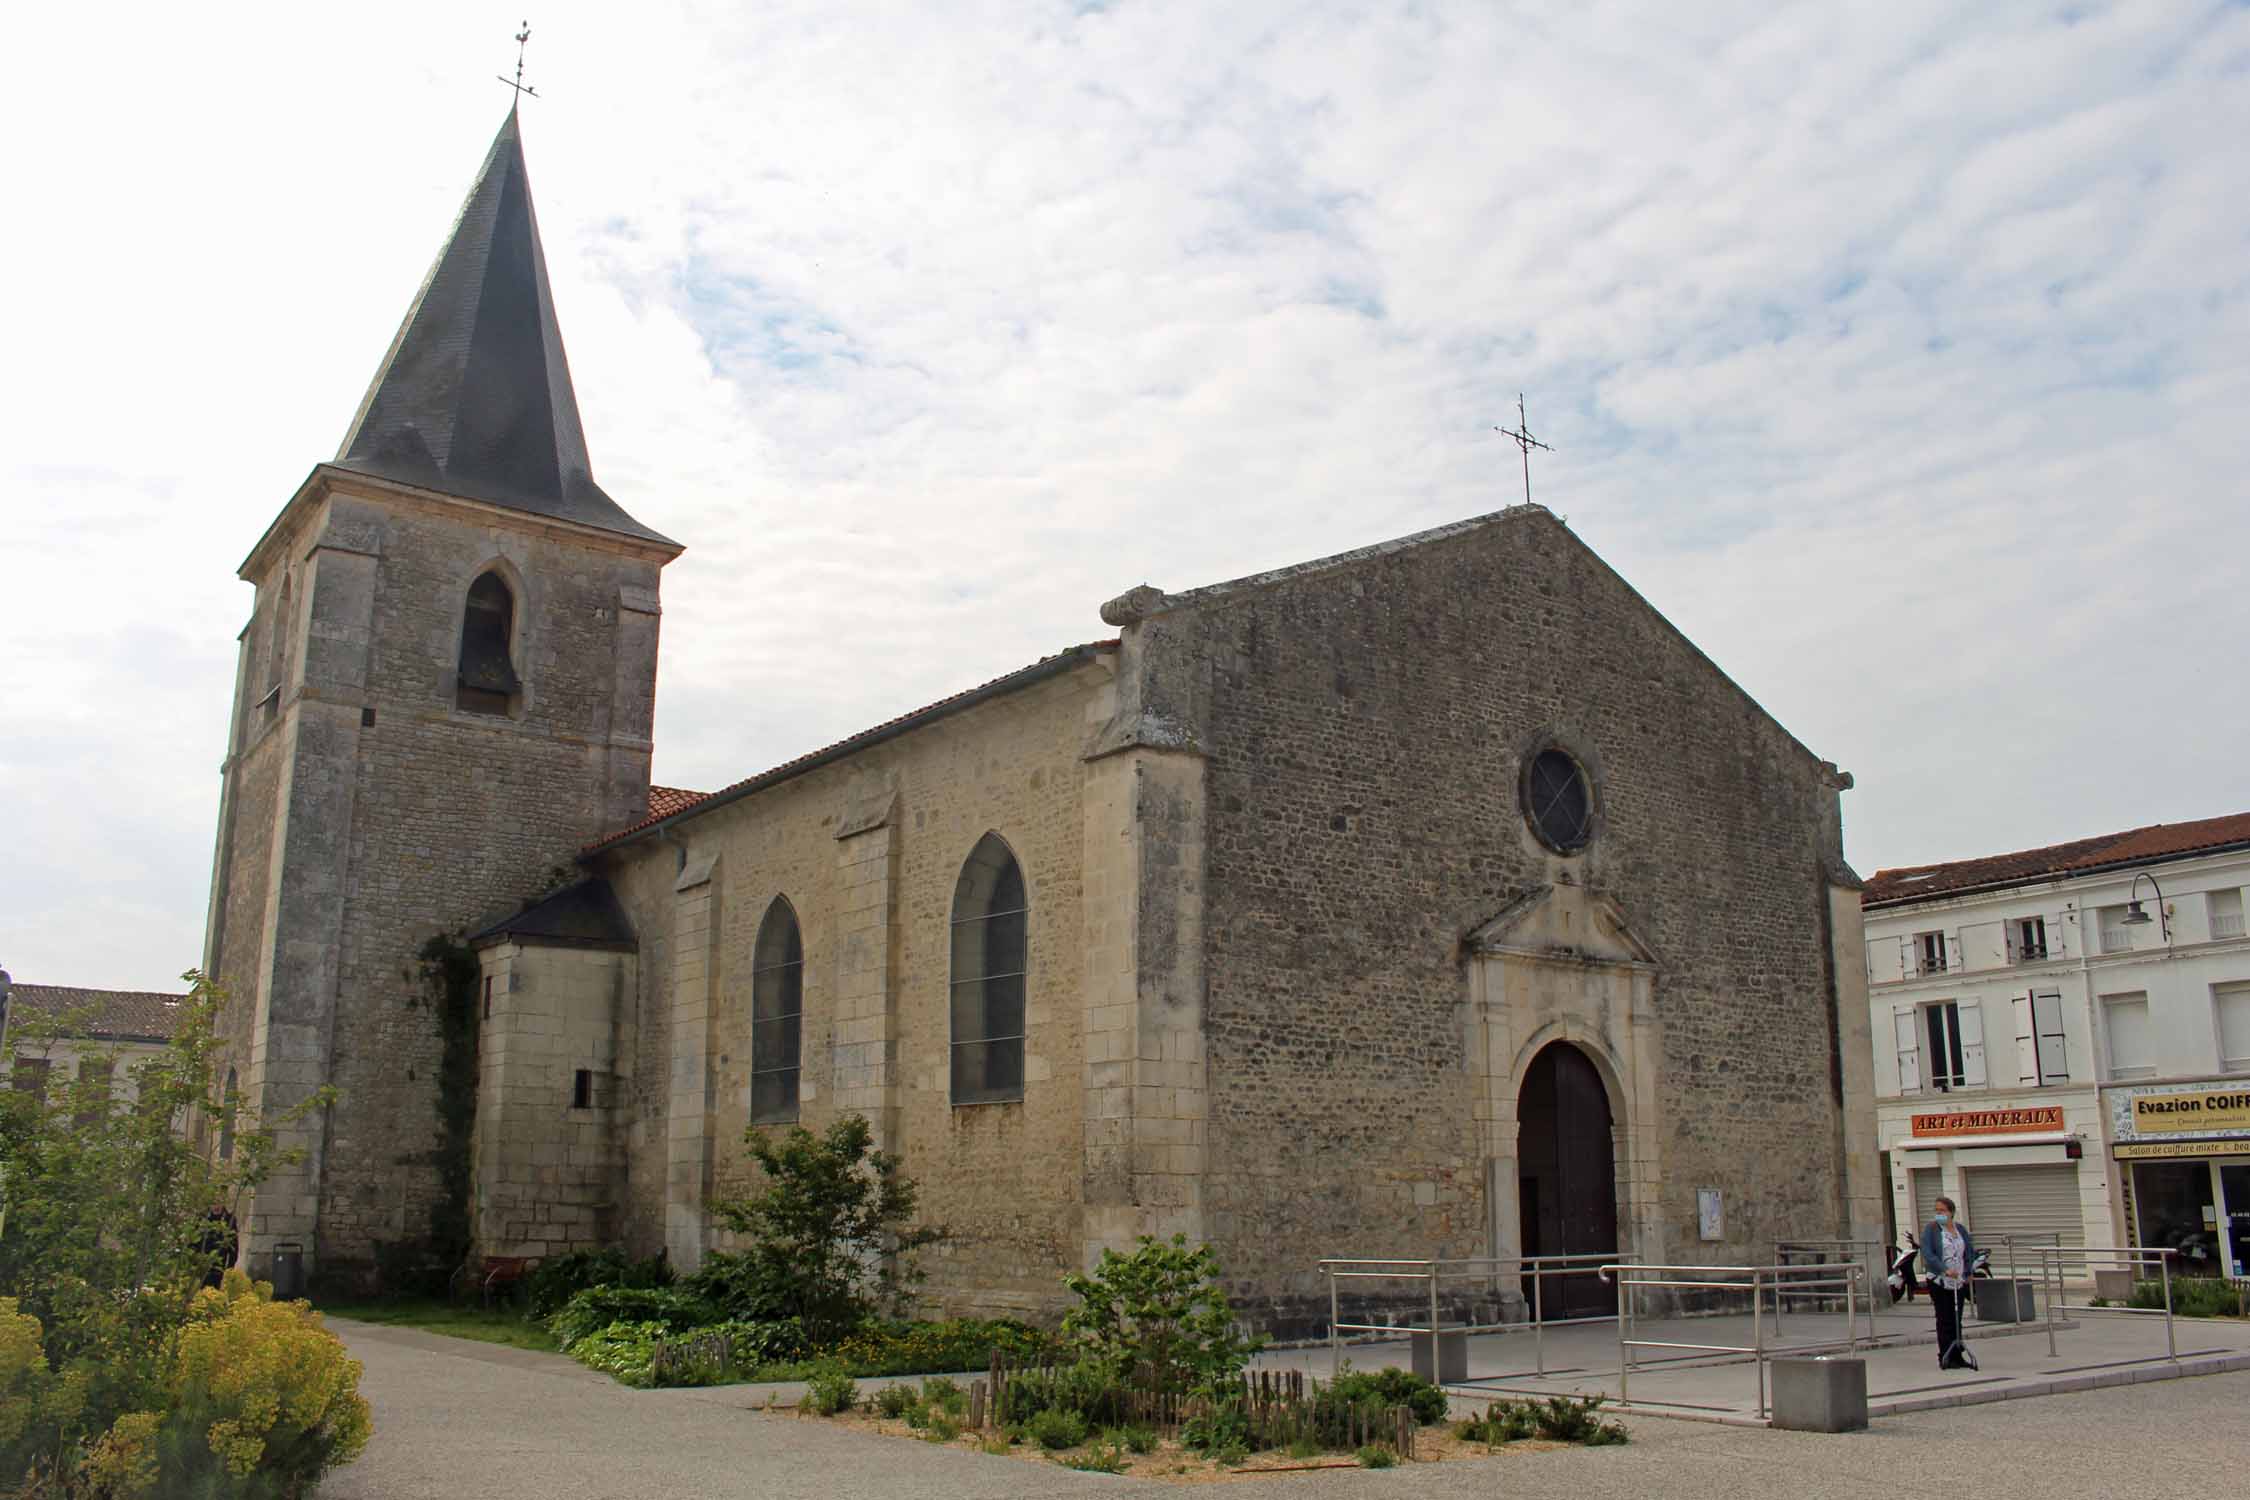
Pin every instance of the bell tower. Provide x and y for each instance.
(445, 689)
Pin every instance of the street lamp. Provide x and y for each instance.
(2135, 917)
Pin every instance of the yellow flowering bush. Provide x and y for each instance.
(260, 1404)
(263, 1390)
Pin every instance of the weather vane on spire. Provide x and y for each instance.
(519, 85)
(1523, 439)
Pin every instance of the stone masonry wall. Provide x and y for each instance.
(549, 1173)
(1365, 726)
(874, 908)
(400, 816)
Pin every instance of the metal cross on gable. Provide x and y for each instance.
(518, 84)
(1521, 436)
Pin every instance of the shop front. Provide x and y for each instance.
(2183, 1163)
(2017, 1174)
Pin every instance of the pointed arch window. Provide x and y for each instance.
(488, 682)
(991, 925)
(777, 1016)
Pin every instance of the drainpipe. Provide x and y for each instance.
(2097, 1052)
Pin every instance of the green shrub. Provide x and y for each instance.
(2192, 1297)
(942, 1428)
(1303, 1447)
(945, 1395)
(598, 1307)
(1102, 1458)
(829, 1227)
(1503, 1422)
(1231, 1456)
(626, 1352)
(898, 1348)
(895, 1401)
(1377, 1456)
(1392, 1387)
(1218, 1427)
(749, 1286)
(1559, 1418)
(1135, 1437)
(1158, 1317)
(558, 1278)
(831, 1391)
(917, 1416)
(1090, 1388)
(1056, 1428)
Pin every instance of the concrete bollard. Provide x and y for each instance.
(1820, 1395)
(1452, 1364)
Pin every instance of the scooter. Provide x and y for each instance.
(1902, 1281)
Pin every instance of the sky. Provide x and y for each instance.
(1899, 353)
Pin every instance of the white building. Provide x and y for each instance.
(2063, 1040)
(59, 1034)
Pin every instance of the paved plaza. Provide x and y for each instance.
(2092, 1349)
(455, 1418)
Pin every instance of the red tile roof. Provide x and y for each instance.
(2158, 841)
(662, 805)
(663, 801)
(141, 1015)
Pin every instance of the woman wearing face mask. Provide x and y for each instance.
(1948, 1252)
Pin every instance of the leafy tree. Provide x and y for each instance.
(830, 1242)
(1158, 1315)
(103, 1217)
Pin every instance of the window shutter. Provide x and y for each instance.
(2027, 1039)
(1909, 1050)
(1972, 1044)
(2047, 1025)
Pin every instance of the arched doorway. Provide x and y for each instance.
(1566, 1174)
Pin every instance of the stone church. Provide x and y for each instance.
(1435, 898)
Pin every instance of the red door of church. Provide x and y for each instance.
(1566, 1174)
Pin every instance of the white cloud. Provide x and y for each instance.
(1896, 352)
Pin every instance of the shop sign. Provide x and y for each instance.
(2197, 1112)
(1991, 1121)
(2175, 1150)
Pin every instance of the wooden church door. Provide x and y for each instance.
(1567, 1176)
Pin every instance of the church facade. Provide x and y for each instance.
(1434, 899)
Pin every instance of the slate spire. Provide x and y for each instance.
(474, 397)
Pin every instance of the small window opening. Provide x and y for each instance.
(582, 1089)
(488, 681)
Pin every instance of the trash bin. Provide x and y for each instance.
(288, 1271)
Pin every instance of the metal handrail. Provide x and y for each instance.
(1631, 1278)
(1432, 1271)
(2112, 1257)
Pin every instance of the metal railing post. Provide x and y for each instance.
(1538, 1318)
(2171, 1346)
(1851, 1310)
(1624, 1340)
(1436, 1368)
(1758, 1337)
(1335, 1335)
(2052, 1286)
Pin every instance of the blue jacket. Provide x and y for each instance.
(1933, 1253)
